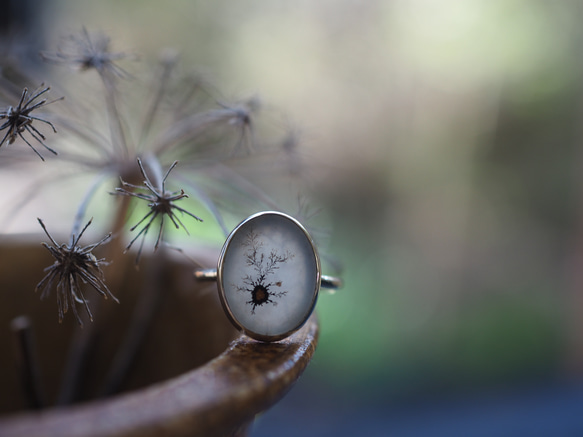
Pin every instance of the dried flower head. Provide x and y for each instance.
(88, 51)
(19, 119)
(240, 116)
(73, 264)
(161, 203)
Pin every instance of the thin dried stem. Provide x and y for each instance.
(82, 209)
(117, 133)
(167, 67)
(27, 362)
(79, 348)
(144, 312)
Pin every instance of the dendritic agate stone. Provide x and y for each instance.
(269, 276)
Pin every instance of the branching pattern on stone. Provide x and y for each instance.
(261, 283)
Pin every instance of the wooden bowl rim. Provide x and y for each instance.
(214, 399)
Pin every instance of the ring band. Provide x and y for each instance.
(268, 276)
(210, 275)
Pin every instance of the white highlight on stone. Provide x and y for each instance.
(269, 276)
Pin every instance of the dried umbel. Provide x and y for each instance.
(74, 265)
(154, 116)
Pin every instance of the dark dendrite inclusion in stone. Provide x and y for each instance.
(260, 284)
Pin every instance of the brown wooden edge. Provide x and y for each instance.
(215, 399)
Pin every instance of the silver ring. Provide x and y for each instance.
(331, 282)
(268, 276)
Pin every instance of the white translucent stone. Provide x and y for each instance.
(269, 276)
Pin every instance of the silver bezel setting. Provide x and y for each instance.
(221, 288)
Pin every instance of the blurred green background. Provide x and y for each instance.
(446, 145)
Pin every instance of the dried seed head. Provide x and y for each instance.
(87, 51)
(161, 203)
(19, 119)
(73, 265)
